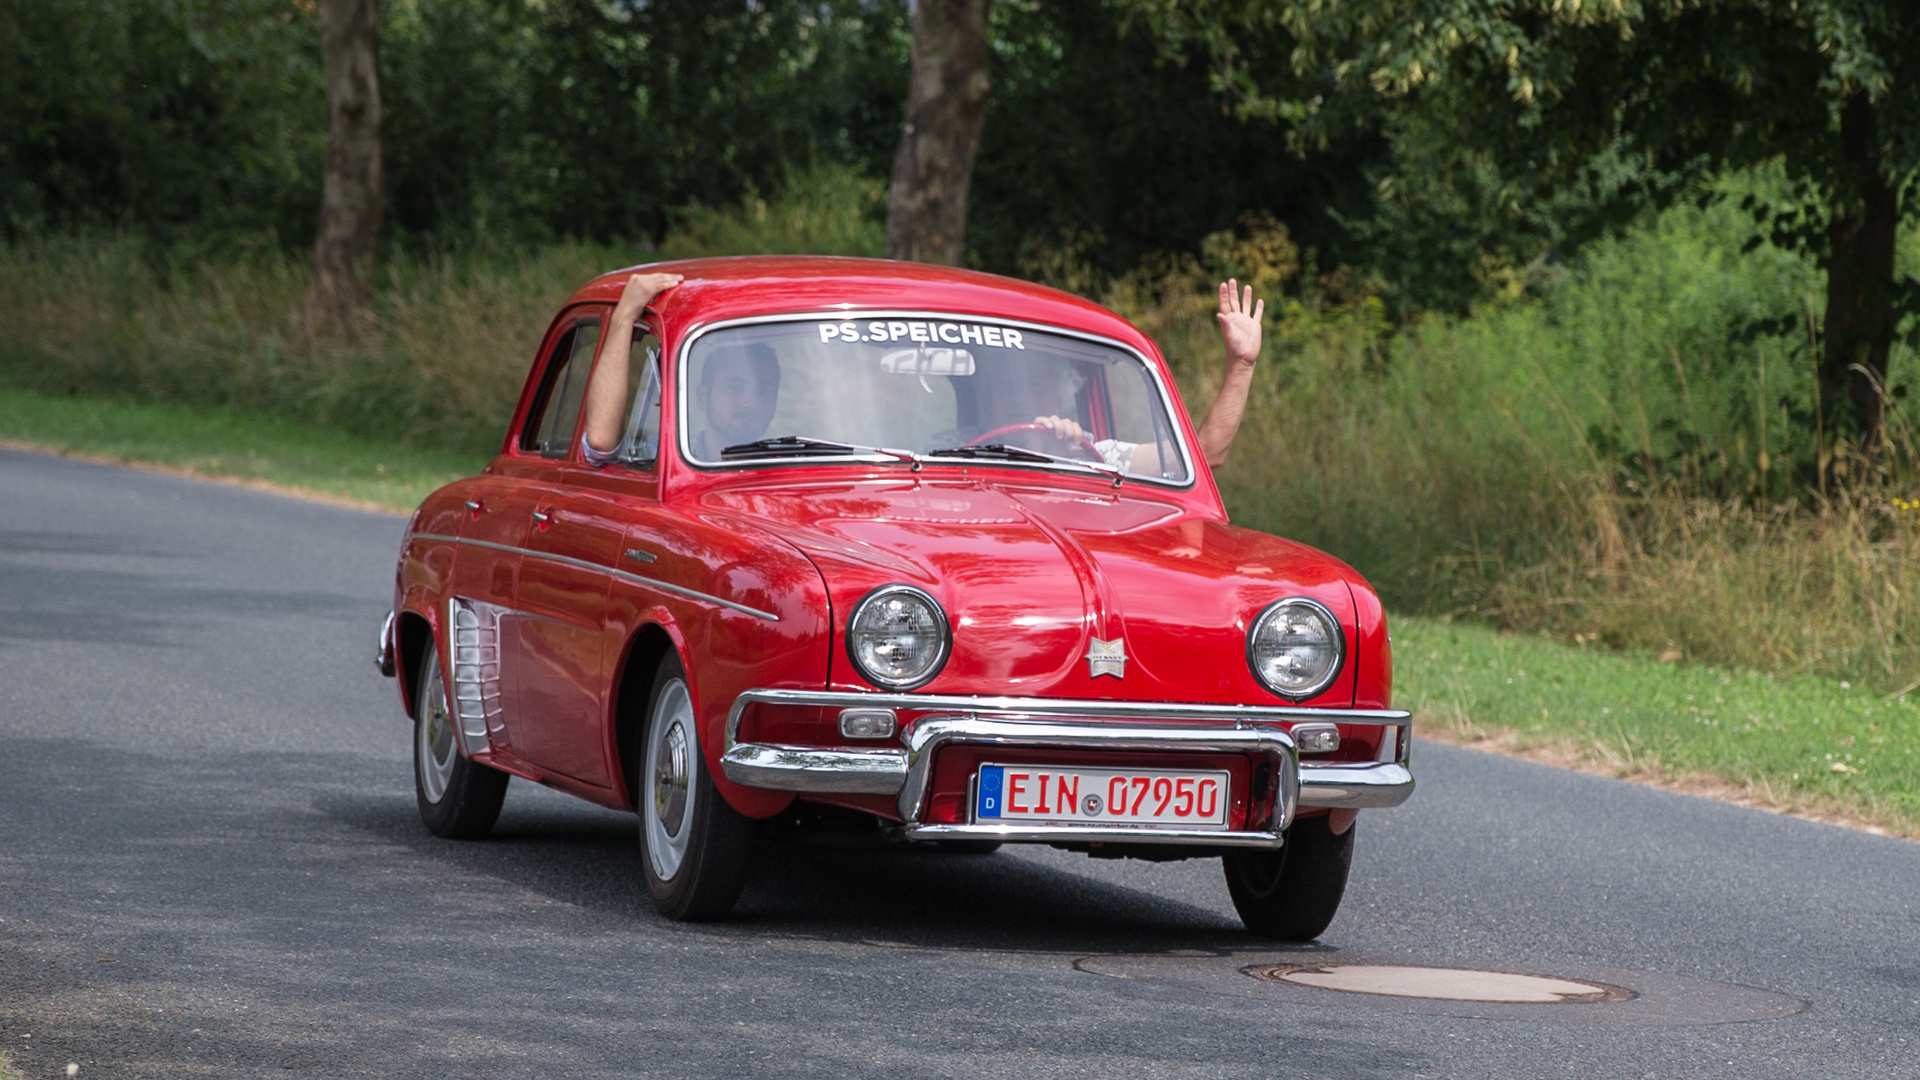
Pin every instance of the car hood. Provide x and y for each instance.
(1031, 576)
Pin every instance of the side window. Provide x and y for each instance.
(641, 447)
(557, 412)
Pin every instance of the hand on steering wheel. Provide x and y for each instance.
(1056, 427)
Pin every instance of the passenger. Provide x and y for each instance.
(1239, 319)
(607, 390)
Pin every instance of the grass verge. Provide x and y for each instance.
(1801, 744)
(219, 444)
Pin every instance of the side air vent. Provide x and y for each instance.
(476, 670)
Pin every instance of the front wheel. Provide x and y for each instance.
(1292, 894)
(694, 847)
(458, 799)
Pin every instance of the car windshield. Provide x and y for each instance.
(925, 386)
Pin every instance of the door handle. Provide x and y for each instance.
(542, 517)
(475, 507)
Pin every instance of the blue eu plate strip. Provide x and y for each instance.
(990, 780)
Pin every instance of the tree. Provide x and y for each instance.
(1688, 87)
(946, 108)
(352, 194)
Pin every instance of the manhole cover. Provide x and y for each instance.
(1319, 979)
(1444, 984)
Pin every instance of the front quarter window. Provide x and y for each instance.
(941, 388)
(640, 447)
(556, 413)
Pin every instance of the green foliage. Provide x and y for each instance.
(516, 122)
(1547, 94)
(822, 210)
(512, 119)
(1557, 83)
(505, 120)
(1092, 143)
(188, 117)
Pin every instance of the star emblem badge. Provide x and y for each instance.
(1107, 658)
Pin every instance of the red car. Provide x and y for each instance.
(841, 575)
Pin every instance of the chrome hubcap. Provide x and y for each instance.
(436, 752)
(672, 753)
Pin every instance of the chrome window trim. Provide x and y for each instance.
(683, 437)
(1339, 647)
(625, 575)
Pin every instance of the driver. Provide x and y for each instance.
(738, 391)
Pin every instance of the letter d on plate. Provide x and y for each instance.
(990, 780)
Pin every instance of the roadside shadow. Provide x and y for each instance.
(895, 895)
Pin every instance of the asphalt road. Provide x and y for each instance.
(210, 865)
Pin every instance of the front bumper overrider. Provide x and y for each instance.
(905, 770)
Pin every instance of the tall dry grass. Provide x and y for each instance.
(440, 357)
(439, 362)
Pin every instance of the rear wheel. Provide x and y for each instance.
(1292, 894)
(694, 846)
(458, 799)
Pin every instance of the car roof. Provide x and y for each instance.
(741, 286)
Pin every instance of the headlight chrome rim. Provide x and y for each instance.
(1337, 633)
(940, 621)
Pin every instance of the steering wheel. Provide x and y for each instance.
(1083, 444)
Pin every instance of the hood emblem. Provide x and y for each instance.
(1107, 658)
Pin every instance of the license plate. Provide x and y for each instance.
(1045, 794)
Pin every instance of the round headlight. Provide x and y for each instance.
(1295, 648)
(897, 637)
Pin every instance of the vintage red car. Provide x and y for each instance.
(838, 573)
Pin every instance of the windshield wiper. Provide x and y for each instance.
(802, 446)
(1020, 453)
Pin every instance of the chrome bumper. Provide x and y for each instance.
(1050, 724)
(384, 658)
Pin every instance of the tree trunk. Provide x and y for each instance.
(946, 107)
(352, 195)
(1860, 243)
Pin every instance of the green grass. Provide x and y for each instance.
(221, 443)
(1800, 743)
